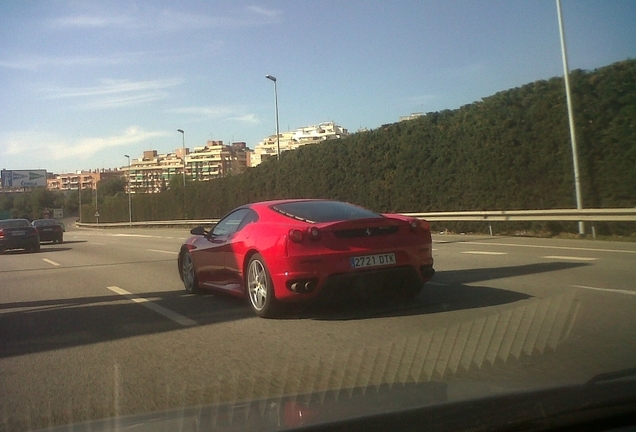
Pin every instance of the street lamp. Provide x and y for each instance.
(183, 154)
(273, 78)
(129, 197)
(79, 186)
(575, 158)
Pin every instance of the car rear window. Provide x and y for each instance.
(42, 222)
(14, 223)
(323, 211)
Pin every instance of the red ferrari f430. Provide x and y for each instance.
(283, 251)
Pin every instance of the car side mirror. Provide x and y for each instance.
(198, 231)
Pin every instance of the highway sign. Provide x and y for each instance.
(25, 178)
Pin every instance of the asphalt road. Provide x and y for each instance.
(100, 326)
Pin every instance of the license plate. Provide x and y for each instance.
(47, 229)
(372, 260)
(19, 233)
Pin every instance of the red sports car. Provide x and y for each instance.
(295, 250)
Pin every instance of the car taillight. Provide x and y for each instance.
(313, 233)
(416, 224)
(296, 235)
(1, 233)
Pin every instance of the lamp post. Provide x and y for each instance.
(577, 180)
(79, 187)
(129, 197)
(183, 154)
(184, 170)
(273, 78)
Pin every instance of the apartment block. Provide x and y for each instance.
(153, 172)
(293, 139)
(83, 179)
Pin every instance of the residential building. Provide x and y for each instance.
(153, 172)
(87, 179)
(412, 116)
(293, 139)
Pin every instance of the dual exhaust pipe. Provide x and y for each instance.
(302, 286)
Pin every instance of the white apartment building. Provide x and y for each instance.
(153, 172)
(293, 139)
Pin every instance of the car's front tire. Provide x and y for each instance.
(189, 274)
(260, 289)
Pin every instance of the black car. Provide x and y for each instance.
(49, 230)
(18, 234)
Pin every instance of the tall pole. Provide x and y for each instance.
(185, 216)
(79, 186)
(184, 155)
(575, 158)
(129, 197)
(273, 78)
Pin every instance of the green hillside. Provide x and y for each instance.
(508, 151)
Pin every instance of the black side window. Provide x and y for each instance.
(230, 223)
(250, 217)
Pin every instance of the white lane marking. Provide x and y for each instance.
(551, 247)
(96, 243)
(484, 253)
(135, 235)
(50, 262)
(184, 321)
(569, 258)
(606, 290)
(162, 251)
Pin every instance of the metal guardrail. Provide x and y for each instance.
(145, 224)
(587, 215)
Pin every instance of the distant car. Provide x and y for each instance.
(292, 250)
(49, 230)
(18, 234)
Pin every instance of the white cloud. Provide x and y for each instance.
(114, 93)
(57, 148)
(217, 112)
(33, 62)
(150, 18)
(92, 21)
(272, 15)
(247, 118)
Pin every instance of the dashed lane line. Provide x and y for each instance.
(180, 319)
(569, 258)
(163, 251)
(484, 253)
(552, 247)
(618, 291)
(53, 263)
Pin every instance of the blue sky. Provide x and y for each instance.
(84, 82)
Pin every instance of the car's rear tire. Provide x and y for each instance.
(189, 274)
(260, 289)
(35, 248)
